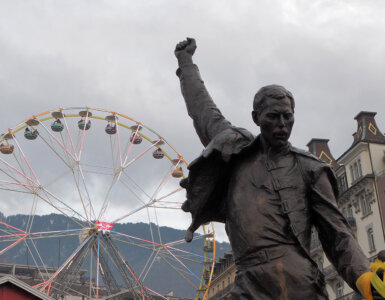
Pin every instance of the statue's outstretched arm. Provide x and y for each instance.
(208, 120)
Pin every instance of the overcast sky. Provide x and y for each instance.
(118, 55)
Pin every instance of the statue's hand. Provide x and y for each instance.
(187, 46)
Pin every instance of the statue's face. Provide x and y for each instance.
(275, 121)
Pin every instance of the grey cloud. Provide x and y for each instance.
(118, 55)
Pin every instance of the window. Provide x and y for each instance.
(372, 245)
(342, 183)
(359, 168)
(355, 169)
(365, 204)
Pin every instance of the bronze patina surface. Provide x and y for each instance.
(267, 192)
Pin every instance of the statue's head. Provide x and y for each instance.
(273, 112)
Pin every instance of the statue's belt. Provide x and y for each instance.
(264, 255)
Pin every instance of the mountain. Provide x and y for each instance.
(166, 271)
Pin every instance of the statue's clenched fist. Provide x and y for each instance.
(187, 46)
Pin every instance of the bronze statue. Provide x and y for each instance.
(267, 192)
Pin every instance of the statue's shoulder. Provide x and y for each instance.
(229, 142)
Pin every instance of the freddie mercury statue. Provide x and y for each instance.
(268, 193)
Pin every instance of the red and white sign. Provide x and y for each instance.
(105, 226)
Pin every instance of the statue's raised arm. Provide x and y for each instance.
(208, 120)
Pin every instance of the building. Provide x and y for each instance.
(360, 172)
(12, 288)
(223, 278)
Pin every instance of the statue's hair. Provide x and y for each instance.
(271, 91)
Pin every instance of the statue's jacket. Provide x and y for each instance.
(304, 201)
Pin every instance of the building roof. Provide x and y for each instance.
(367, 131)
(320, 149)
(24, 286)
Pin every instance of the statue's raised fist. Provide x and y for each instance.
(187, 46)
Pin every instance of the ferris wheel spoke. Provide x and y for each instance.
(161, 185)
(13, 244)
(178, 271)
(136, 238)
(140, 155)
(151, 202)
(156, 293)
(18, 163)
(119, 147)
(26, 160)
(131, 189)
(150, 226)
(182, 264)
(41, 262)
(91, 208)
(58, 142)
(69, 208)
(170, 194)
(55, 233)
(70, 138)
(56, 178)
(131, 145)
(17, 171)
(64, 143)
(59, 287)
(135, 185)
(16, 191)
(76, 182)
(122, 266)
(132, 212)
(114, 166)
(130, 243)
(83, 135)
(66, 263)
(148, 264)
(109, 193)
(67, 163)
(19, 183)
(31, 215)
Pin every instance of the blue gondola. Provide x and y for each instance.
(110, 129)
(82, 124)
(57, 126)
(30, 134)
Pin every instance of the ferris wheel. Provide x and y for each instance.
(98, 170)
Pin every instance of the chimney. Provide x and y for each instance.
(320, 149)
(367, 129)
